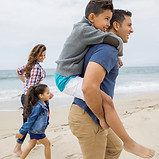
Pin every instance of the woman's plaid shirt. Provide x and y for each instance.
(37, 74)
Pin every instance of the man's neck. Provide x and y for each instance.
(113, 31)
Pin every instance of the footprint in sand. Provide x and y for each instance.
(10, 157)
(74, 156)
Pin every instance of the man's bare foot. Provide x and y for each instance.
(17, 150)
(139, 150)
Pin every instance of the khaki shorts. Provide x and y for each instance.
(95, 142)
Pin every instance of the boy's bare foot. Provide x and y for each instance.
(139, 150)
(17, 150)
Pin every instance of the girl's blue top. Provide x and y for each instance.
(38, 120)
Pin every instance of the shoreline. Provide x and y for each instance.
(64, 100)
(139, 115)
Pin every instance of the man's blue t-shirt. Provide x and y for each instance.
(107, 57)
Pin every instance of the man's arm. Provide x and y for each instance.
(93, 77)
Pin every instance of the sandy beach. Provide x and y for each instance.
(138, 114)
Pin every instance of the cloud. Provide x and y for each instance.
(37, 19)
(28, 22)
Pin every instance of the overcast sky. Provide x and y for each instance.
(25, 23)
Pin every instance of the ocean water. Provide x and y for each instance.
(130, 82)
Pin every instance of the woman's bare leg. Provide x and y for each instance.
(17, 149)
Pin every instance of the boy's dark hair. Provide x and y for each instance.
(32, 98)
(119, 16)
(98, 6)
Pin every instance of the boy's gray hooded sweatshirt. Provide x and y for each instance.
(84, 35)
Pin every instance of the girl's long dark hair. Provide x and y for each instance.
(33, 56)
(32, 98)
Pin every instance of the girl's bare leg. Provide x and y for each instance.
(116, 125)
(46, 143)
(30, 146)
(17, 149)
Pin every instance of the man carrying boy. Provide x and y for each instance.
(100, 72)
(83, 35)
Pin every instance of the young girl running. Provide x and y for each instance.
(31, 74)
(36, 109)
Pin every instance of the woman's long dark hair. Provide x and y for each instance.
(32, 98)
(33, 56)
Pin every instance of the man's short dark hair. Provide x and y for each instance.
(119, 16)
(98, 6)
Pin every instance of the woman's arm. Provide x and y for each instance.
(20, 73)
(21, 77)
